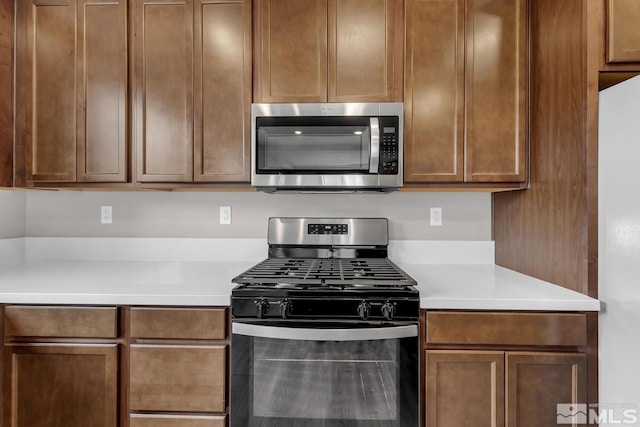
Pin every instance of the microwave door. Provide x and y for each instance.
(311, 146)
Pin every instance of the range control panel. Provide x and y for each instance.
(328, 229)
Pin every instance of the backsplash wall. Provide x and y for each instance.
(12, 214)
(466, 216)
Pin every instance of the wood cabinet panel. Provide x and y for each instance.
(102, 92)
(465, 91)
(365, 50)
(537, 382)
(71, 77)
(70, 322)
(163, 90)
(291, 50)
(45, 76)
(534, 329)
(496, 91)
(175, 323)
(60, 386)
(222, 55)
(623, 31)
(434, 91)
(6, 93)
(178, 378)
(151, 420)
(464, 387)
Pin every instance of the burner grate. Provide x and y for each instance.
(330, 271)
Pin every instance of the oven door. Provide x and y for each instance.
(324, 374)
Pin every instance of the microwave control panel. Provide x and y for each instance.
(389, 145)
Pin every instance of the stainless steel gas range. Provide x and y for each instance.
(325, 330)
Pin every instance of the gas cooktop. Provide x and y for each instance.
(326, 267)
(307, 272)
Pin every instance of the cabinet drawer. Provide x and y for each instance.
(178, 323)
(178, 378)
(151, 420)
(65, 322)
(548, 329)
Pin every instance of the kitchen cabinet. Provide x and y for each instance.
(465, 91)
(6, 94)
(191, 90)
(623, 32)
(178, 363)
(328, 50)
(145, 420)
(503, 368)
(60, 367)
(71, 91)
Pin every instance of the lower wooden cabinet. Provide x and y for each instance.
(177, 378)
(146, 420)
(464, 388)
(501, 369)
(487, 388)
(73, 366)
(537, 382)
(178, 365)
(60, 385)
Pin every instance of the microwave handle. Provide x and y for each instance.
(374, 159)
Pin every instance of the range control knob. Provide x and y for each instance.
(285, 308)
(364, 309)
(388, 310)
(262, 305)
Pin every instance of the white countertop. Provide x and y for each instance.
(491, 287)
(85, 278)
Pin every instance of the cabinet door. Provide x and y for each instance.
(291, 51)
(6, 94)
(155, 420)
(623, 31)
(365, 51)
(222, 55)
(495, 125)
(46, 88)
(538, 382)
(163, 90)
(464, 388)
(434, 91)
(48, 385)
(102, 90)
(178, 378)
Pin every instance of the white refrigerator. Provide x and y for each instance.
(619, 251)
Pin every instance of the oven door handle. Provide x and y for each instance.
(321, 334)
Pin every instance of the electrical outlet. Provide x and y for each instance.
(225, 215)
(436, 216)
(106, 215)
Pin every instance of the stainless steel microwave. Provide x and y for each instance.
(330, 147)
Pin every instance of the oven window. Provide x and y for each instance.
(325, 380)
(282, 377)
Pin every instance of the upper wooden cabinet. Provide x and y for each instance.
(192, 98)
(465, 91)
(328, 50)
(71, 91)
(623, 31)
(6, 94)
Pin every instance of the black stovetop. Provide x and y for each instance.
(322, 268)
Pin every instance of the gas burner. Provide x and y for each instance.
(316, 276)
